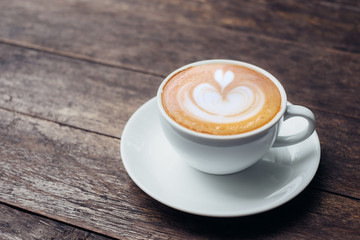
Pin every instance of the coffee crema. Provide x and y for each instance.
(221, 99)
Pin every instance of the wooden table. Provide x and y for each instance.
(73, 72)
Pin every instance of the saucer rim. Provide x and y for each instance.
(240, 213)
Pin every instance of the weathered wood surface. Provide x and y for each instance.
(134, 37)
(72, 92)
(76, 176)
(340, 154)
(67, 25)
(72, 73)
(16, 224)
(101, 99)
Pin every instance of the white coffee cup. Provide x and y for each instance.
(219, 154)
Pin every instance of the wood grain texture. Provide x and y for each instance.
(101, 99)
(72, 73)
(91, 96)
(117, 33)
(77, 177)
(16, 224)
(340, 154)
(329, 24)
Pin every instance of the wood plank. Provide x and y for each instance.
(91, 96)
(101, 99)
(326, 23)
(340, 154)
(109, 34)
(17, 224)
(77, 177)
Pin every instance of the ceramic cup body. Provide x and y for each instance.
(218, 154)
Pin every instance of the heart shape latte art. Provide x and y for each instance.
(208, 103)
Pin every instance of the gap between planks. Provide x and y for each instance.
(334, 193)
(90, 230)
(59, 123)
(132, 68)
(77, 56)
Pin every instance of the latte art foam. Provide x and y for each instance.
(210, 104)
(221, 99)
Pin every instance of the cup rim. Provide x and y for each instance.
(251, 133)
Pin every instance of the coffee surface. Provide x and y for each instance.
(221, 99)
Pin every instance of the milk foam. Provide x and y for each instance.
(206, 102)
(220, 99)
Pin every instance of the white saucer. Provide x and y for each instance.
(154, 166)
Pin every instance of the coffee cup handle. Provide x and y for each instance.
(296, 111)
